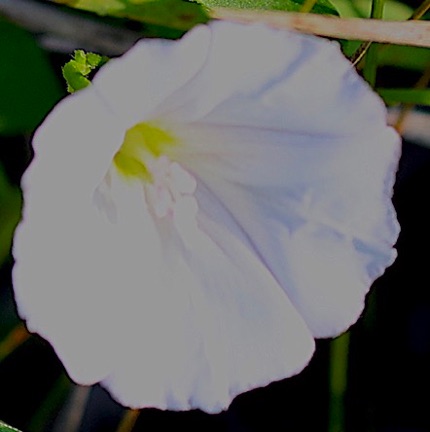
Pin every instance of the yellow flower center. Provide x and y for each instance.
(143, 144)
(146, 155)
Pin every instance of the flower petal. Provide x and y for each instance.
(316, 210)
(137, 83)
(181, 323)
(73, 149)
(62, 288)
(303, 162)
(208, 321)
(254, 76)
(285, 188)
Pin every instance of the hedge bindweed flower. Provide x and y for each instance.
(202, 212)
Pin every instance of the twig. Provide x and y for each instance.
(128, 421)
(365, 46)
(415, 33)
(421, 10)
(13, 340)
(360, 53)
(58, 28)
(73, 410)
(422, 83)
(64, 31)
(415, 126)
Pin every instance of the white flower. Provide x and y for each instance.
(209, 206)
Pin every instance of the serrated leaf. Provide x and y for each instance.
(320, 7)
(6, 428)
(77, 70)
(28, 86)
(176, 14)
(405, 96)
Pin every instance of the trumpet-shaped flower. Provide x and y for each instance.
(202, 212)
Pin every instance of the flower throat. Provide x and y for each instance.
(143, 144)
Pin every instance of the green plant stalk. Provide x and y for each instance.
(421, 10)
(363, 48)
(17, 336)
(128, 421)
(338, 381)
(371, 65)
(307, 6)
(52, 402)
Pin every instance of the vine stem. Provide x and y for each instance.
(365, 46)
(74, 410)
(13, 340)
(338, 379)
(307, 6)
(414, 33)
(371, 65)
(128, 421)
(422, 83)
(57, 29)
(421, 10)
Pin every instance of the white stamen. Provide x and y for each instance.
(171, 183)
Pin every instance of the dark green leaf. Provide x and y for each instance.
(28, 86)
(321, 6)
(177, 14)
(405, 96)
(407, 57)
(10, 213)
(393, 10)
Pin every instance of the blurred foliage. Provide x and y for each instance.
(393, 10)
(77, 70)
(401, 56)
(6, 428)
(177, 14)
(320, 6)
(51, 405)
(28, 86)
(10, 213)
(405, 57)
(183, 15)
(406, 96)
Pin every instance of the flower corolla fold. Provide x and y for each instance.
(202, 212)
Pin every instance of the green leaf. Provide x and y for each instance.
(405, 96)
(10, 214)
(321, 6)
(6, 428)
(393, 10)
(76, 71)
(176, 14)
(28, 86)
(101, 7)
(407, 57)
